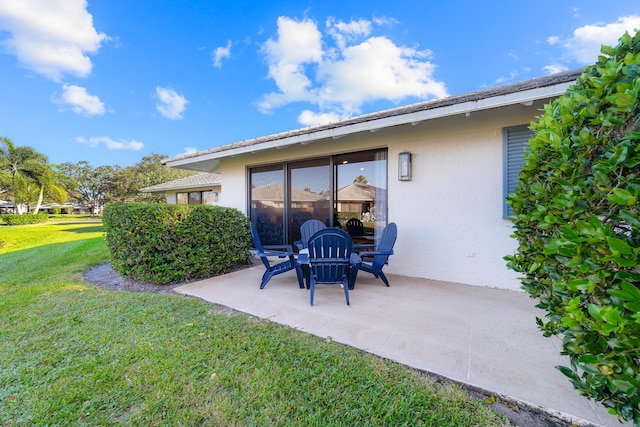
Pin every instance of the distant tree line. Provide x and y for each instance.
(28, 180)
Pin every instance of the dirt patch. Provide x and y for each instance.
(106, 277)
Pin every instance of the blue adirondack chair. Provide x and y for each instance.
(308, 229)
(374, 257)
(280, 251)
(330, 251)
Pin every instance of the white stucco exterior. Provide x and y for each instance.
(450, 215)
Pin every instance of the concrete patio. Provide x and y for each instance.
(486, 338)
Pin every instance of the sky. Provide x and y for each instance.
(112, 81)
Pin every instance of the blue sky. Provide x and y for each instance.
(111, 81)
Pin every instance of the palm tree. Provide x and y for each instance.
(26, 168)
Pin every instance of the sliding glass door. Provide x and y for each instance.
(309, 194)
(333, 190)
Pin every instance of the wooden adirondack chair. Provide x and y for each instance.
(330, 251)
(280, 251)
(308, 229)
(374, 260)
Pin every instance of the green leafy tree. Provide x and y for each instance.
(26, 176)
(361, 179)
(149, 171)
(89, 185)
(577, 220)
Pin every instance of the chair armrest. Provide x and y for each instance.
(374, 253)
(364, 246)
(278, 250)
(299, 244)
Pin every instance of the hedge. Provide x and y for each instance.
(577, 220)
(22, 219)
(163, 244)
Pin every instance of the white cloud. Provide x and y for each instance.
(80, 101)
(502, 79)
(190, 150)
(359, 67)
(298, 44)
(385, 21)
(584, 45)
(552, 40)
(309, 118)
(52, 38)
(347, 32)
(95, 141)
(170, 104)
(555, 68)
(221, 53)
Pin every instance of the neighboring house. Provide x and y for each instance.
(204, 188)
(72, 208)
(439, 169)
(7, 207)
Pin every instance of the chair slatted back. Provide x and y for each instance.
(385, 244)
(329, 255)
(308, 229)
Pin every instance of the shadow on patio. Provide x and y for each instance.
(483, 337)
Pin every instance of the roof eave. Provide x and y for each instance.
(213, 157)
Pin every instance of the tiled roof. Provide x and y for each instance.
(358, 192)
(536, 83)
(195, 181)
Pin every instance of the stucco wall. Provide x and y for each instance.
(449, 215)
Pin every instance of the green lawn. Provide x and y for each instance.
(75, 354)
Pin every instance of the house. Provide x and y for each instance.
(203, 188)
(439, 169)
(66, 208)
(7, 207)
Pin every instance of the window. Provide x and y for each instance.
(197, 198)
(209, 197)
(182, 198)
(515, 139)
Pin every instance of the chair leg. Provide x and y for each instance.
(300, 275)
(312, 288)
(384, 279)
(265, 278)
(346, 289)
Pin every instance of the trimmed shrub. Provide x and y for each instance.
(577, 219)
(161, 244)
(23, 219)
(57, 210)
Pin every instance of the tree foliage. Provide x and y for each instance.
(149, 171)
(97, 186)
(577, 220)
(26, 177)
(87, 184)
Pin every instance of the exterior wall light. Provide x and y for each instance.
(404, 166)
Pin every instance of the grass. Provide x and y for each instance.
(75, 354)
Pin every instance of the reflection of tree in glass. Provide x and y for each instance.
(361, 179)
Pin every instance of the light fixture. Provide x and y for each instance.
(404, 166)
